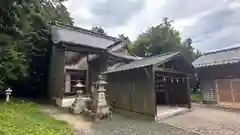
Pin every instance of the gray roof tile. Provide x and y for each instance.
(220, 57)
(125, 56)
(80, 36)
(144, 62)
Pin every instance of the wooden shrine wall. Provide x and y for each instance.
(132, 90)
(172, 88)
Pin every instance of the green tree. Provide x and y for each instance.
(13, 64)
(25, 24)
(160, 39)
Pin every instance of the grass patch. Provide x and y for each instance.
(196, 97)
(24, 118)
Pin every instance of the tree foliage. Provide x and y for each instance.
(12, 64)
(160, 39)
(24, 33)
(99, 30)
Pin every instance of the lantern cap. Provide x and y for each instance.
(100, 80)
(8, 90)
(79, 85)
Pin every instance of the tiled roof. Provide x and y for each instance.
(219, 57)
(145, 62)
(75, 35)
(81, 64)
(125, 56)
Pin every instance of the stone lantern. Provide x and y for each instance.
(99, 92)
(100, 105)
(78, 104)
(8, 93)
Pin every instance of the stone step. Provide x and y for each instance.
(170, 113)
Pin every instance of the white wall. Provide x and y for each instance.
(65, 102)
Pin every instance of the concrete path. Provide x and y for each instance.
(208, 121)
(120, 125)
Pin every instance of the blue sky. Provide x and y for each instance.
(212, 24)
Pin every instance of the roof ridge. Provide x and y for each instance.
(222, 50)
(147, 61)
(163, 54)
(120, 54)
(159, 55)
(85, 30)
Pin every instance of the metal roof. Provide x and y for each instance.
(75, 35)
(145, 62)
(219, 57)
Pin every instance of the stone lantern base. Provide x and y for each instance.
(79, 105)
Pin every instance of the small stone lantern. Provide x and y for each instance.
(78, 104)
(8, 93)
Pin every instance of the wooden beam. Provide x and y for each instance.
(76, 72)
(114, 44)
(81, 48)
(170, 70)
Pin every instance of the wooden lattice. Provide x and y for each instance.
(224, 90)
(236, 90)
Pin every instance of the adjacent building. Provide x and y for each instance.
(219, 76)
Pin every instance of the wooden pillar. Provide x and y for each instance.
(60, 72)
(154, 100)
(189, 92)
(50, 76)
(167, 94)
(57, 72)
(88, 76)
(105, 67)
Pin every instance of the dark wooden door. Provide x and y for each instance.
(160, 90)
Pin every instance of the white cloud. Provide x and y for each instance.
(211, 23)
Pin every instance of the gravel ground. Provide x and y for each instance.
(121, 125)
